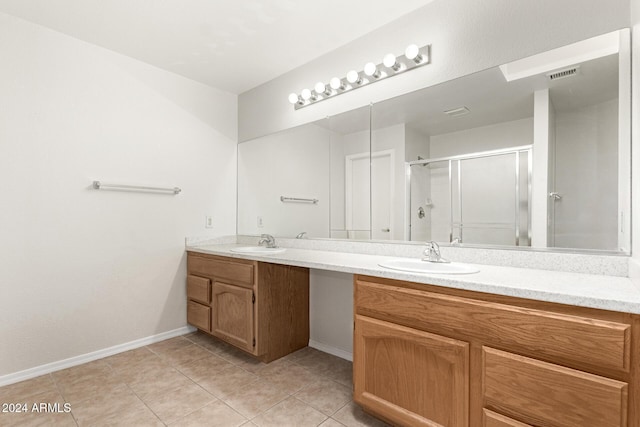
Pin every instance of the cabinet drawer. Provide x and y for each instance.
(199, 289)
(237, 273)
(548, 394)
(491, 419)
(199, 315)
(535, 332)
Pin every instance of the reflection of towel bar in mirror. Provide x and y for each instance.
(97, 185)
(285, 199)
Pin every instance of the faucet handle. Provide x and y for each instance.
(432, 253)
(268, 239)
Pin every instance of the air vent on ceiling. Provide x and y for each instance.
(460, 111)
(567, 72)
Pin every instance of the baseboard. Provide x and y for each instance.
(331, 350)
(89, 357)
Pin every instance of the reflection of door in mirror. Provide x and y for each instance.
(388, 152)
(368, 214)
(357, 191)
(382, 179)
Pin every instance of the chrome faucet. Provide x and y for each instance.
(268, 239)
(302, 235)
(432, 253)
(456, 242)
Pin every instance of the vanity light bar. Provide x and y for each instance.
(391, 65)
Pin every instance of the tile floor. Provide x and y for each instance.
(193, 380)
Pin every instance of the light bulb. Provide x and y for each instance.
(322, 88)
(389, 61)
(294, 98)
(353, 77)
(412, 52)
(371, 70)
(306, 94)
(337, 84)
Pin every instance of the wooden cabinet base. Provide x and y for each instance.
(431, 356)
(258, 307)
(282, 310)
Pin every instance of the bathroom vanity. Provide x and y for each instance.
(503, 347)
(258, 307)
(425, 355)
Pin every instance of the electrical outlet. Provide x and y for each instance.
(208, 223)
(260, 223)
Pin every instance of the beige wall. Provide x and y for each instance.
(84, 270)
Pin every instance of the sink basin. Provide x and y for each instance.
(258, 250)
(419, 266)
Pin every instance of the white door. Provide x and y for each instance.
(369, 193)
(357, 192)
(382, 185)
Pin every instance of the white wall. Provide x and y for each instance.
(293, 163)
(331, 312)
(586, 154)
(417, 145)
(543, 139)
(466, 36)
(483, 138)
(83, 270)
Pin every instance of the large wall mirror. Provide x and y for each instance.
(534, 153)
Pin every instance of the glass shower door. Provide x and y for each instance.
(477, 198)
(484, 204)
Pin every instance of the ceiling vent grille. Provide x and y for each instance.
(460, 111)
(568, 72)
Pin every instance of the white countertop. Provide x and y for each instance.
(585, 290)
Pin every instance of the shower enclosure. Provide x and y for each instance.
(482, 198)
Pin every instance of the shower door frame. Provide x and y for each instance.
(477, 155)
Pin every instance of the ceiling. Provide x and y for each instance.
(233, 45)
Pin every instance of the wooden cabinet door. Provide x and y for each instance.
(410, 377)
(232, 315)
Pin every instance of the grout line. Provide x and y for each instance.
(144, 403)
(55, 384)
